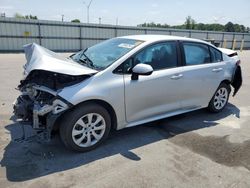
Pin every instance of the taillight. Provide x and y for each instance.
(238, 62)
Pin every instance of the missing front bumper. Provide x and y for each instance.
(41, 116)
(57, 107)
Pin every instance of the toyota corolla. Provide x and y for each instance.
(122, 82)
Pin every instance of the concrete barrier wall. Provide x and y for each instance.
(68, 37)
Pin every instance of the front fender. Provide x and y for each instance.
(108, 88)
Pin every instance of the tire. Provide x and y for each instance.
(85, 128)
(220, 98)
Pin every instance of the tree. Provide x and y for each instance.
(200, 26)
(237, 28)
(18, 15)
(31, 17)
(76, 21)
(247, 30)
(193, 24)
(243, 28)
(190, 23)
(229, 27)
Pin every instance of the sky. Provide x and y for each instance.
(133, 12)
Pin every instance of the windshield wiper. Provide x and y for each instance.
(83, 62)
(88, 61)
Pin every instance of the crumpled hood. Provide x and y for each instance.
(40, 58)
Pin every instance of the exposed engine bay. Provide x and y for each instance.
(45, 75)
(39, 103)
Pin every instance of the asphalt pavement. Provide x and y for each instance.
(197, 149)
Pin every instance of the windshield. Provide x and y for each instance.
(102, 55)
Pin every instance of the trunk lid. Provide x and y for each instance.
(228, 52)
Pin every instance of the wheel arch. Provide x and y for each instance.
(226, 81)
(211, 105)
(102, 103)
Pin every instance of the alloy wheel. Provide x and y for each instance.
(88, 130)
(220, 98)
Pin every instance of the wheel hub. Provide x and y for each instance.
(220, 98)
(88, 130)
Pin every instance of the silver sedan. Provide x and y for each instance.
(122, 82)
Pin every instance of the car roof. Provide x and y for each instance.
(155, 38)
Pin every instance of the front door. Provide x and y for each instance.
(157, 94)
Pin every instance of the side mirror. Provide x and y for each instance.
(141, 69)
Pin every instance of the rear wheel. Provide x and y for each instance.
(85, 128)
(220, 98)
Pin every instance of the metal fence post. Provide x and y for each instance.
(80, 37)
(39, 33)
(225, 43)
(115, 31)
(242, 43)
(233, 42)
(222, 40)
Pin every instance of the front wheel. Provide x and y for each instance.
(220, 98)
(86, 127)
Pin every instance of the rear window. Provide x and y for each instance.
(196, 53)
(216, 55)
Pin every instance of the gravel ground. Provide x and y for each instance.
(197, 149)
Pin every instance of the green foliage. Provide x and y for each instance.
(229, 27)
(191, 24)
(76, 21)
(31, 17)
(152, 24)
(17, 15)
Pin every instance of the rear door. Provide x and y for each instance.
(203, 71)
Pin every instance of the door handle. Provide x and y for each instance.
(217, 70)
(177, 77)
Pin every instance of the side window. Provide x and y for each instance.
(159, 56)
(216, 55)
(127, 66)
(196, 54)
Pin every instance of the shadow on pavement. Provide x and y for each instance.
(28, 159)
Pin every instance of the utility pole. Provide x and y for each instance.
(100, 20)
(116, 21)
(87, 6)
(62, 17)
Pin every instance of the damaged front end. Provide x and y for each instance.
(39, 103)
